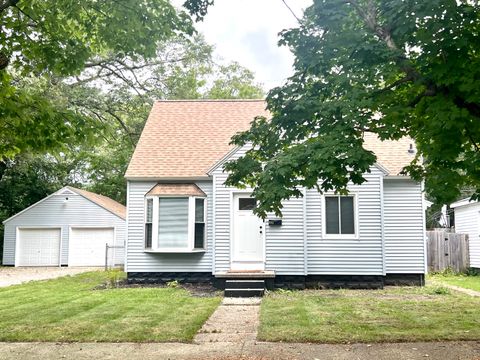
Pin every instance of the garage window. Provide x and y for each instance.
(175, 224)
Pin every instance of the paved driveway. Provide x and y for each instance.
(17, 275)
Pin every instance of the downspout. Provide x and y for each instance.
(382, 226)
(424, 229)
(125, 266)
(305, 233)
(214, 212)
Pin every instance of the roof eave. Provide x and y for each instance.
(463, 202)
(165, 178)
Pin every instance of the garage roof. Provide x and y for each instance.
(103, 201)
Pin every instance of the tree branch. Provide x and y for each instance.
(290, 9)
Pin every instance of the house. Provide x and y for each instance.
(467, 221)
(183, 223)
(69, 227)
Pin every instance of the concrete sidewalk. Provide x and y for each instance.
(248, 350)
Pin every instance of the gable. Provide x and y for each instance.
(67, 193)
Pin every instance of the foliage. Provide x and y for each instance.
(234, 82)
(472, 272)
(46, 40)
(394, 68)
(69, 309)
(182, 69)
(173, 284)
(198, 7)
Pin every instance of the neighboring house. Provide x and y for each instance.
(69, 227)
(467, 221)
(183, 223)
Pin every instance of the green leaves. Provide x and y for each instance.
(43, 42)
(394, 68)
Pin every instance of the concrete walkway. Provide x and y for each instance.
(235, 321)
(250, 350)
(18, 275)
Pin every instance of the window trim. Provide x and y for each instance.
(145, 222)
(190, 248)
(355, 235)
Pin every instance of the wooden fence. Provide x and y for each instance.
(447, 250)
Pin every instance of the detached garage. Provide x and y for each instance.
(69, 227)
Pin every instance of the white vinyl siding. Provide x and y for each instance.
(298, 246)
(467, 221)
(58, 213)
(404, 227)
(140, 261)
(284, 245)
(330, 255)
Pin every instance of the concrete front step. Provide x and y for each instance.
(229, 292)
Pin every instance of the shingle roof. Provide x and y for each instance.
(183, 139)
(393, 155)
(103, 201)
(176, 189)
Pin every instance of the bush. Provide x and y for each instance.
(472, 272)
(172, 284)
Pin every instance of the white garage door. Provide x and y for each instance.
(87, 246)
(38, 247)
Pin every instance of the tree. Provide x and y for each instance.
(119, 106)
(45, 40)
(393, 68)
(233, 81)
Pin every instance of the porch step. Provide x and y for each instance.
(245, 284)
(244, 288)
(244, 292)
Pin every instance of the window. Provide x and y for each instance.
(199, 224)
(340, 215)
(172, 223)
(148, 224)
(247, 203)
(175, 224)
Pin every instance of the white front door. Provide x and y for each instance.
(247, 235)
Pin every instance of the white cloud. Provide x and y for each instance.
(247, 31)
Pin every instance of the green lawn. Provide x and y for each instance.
(465, 281)
(68, 309)
(390, 315)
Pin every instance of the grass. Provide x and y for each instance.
(69, 309)
(471, 282)
(390, 315)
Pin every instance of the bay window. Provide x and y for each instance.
(175, 224)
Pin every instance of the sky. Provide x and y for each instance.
(247, 31)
